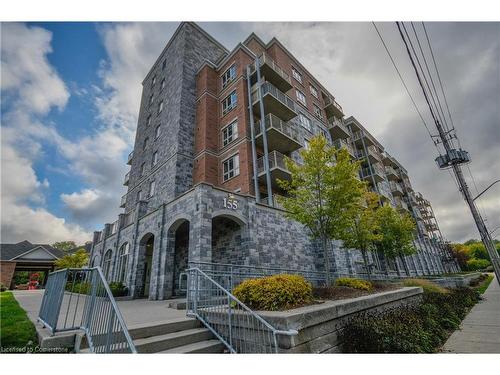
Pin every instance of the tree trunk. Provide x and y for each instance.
(327, 260)
(365, 260)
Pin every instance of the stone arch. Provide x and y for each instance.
(229, 238)
(144, 265)
(178, 234)
(106, 263)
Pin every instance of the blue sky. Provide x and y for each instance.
(71, 94)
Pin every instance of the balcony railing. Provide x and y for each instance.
(126, 179)
(391, 173)
(373, 151)
(123, 201)
(384, 190)
(277, 168)
(337, 128)
(282, 135)
(272, 72)
(332, 108)
(342, 143)
(374, 170)
(275, 101)
(130, 156)
(396, 188)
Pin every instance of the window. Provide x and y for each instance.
(301, 97)
(139, 195)
(145, 144)
(153, 81)
(230, 133)
(160, 107)
(228, 75)
(317, 111)
(106, 265)
(164, 65)
(152, 186)
(162, 83)
(157, 131)
(143, 169)
(155, 158)
(122, 262)
(296, 75)
(148, 121)
(305, 121)
(314, 91)
(231, 167)
(229, 102)
(151, 98)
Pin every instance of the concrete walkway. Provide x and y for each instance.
(480, 330)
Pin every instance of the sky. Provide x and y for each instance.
(70, 95)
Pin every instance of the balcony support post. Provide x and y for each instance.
(252, 137)
(264, 136)
(365, 149)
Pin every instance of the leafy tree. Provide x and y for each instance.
(363, 227)
(461, 254)
(64, 245)
(396, 234)
(323, 192)
(78, 259)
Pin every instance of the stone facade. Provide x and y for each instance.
(195, 214)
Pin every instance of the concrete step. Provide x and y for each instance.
(206, 346)
(178, 304)
(160, 343)
(140, 331)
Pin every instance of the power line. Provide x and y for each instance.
(402, 80)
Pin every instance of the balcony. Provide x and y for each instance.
(281, 136)
(407, 184)
(362, 137)
(123, 201)
(400, 203)
(384, 190)
(396, 189)
(337, 128)
(375, 170)
(130, 156)
(343, 143)
(277, 168)
(126, 179)
(332, 108)
(391, 173)
(272, 73)
(275, 102)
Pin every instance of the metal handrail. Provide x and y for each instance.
(237, 326)
(80, 299)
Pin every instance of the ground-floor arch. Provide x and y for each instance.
(229, 239)
(178, 236)
(145, 264)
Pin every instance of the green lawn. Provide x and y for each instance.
(484, 285)
(16, 330)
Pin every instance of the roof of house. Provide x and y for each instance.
(10, 251)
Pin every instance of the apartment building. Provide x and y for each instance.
(213, 132)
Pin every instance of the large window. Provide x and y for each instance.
(305, 121)
(229, 102)
(230, 133)
(106, 264)
(296, 75)
(152, 187)
(231, 167)
(139, 195)
(314, 91)
(228, 76)
(121, 270)
(301, 97)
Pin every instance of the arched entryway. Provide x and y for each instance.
(106, 264)
(122, 263)
(144, 268)
(228, 240)
(178, 235)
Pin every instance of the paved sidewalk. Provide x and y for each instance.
(480, 330)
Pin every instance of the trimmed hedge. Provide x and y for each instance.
(412, 329)
(426, 285)
(277, 292)
(354, 283)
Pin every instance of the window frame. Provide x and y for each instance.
(314, 91)
(148, 120)
(151, 188)
(231, 77)
(145, 143)
(162, 84)
(142, 169)
(297, 75)
(232, 106)
(299, 93)
(308, 120)
(319, 112)
(154, 159)
(236, 167)
(160, 107)
(158, 131)
(234, 126)
(123, 254)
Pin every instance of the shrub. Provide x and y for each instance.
(78, 287)
(118, 289)
(3, 288)
(277, 292)
(475, 264)
(354, 283)
(418, 329)
(426, 285)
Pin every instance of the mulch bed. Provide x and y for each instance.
(344, 292)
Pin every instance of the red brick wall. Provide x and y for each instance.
(7, 272)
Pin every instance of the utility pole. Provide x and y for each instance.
(454, 158)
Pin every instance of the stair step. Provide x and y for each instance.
(160, 343)
(178, 304)
(206, 346)
(140, 331)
